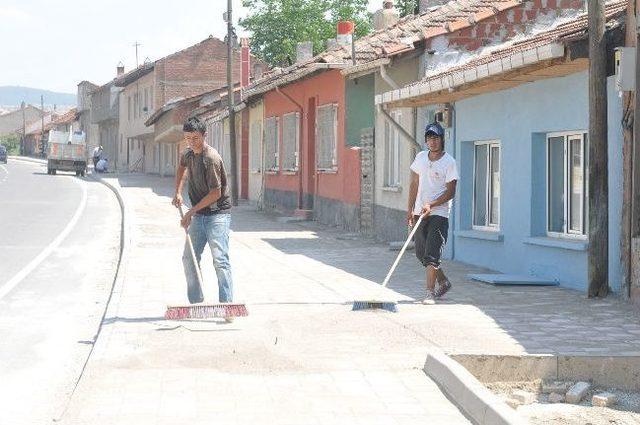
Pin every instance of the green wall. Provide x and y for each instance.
(360, 107)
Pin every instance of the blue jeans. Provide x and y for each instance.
(212, 229)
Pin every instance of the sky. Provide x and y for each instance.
(54, 45)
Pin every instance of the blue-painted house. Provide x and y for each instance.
(518, 129)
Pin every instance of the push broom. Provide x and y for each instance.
(202, 311)
(391, 306)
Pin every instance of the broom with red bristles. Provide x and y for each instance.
(203, 311)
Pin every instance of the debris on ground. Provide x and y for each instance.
(598, 406)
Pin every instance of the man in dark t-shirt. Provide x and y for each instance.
(209, 218)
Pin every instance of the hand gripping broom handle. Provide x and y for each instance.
(192, 251)
(404, 247)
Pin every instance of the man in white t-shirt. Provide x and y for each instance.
(434, 176)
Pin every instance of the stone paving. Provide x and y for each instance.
(302, 357)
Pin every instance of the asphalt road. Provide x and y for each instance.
(59, 247)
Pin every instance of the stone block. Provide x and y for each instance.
(559, 387)
(512, 403)
(556, 398)
(577, 392)
(524, 397)
(604, 400)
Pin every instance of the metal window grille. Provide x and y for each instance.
(271, 143)
(290, 141)
(327, 122)
(392, 152)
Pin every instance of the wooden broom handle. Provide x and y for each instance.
(404, 247)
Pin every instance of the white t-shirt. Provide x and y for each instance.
(434, 175)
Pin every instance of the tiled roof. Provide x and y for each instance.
(563, 32)
(399, 38)
(66, 118)
(505, 57)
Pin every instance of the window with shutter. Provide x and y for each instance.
(255, 138)
(327, 133)
(290, 141)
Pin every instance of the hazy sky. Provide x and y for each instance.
(56, 44)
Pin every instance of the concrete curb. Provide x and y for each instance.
(27, 159)
(125, 242)
(622, 372)
(480, 404)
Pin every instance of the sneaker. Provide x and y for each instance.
(443, 288)
(228, 319)
(430, 299)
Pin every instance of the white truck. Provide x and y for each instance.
(67, 152)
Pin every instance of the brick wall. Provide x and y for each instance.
(193, 70)
(511, 22)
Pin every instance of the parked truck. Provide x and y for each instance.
(67, 152)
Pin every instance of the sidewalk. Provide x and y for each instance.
(302, 357)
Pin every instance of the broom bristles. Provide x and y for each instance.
(373, 305)
(206, 311)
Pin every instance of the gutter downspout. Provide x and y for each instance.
(387, 78)
(414, 143)
(300, 203)
(453, 113)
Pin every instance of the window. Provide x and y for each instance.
(255, 139)
(566, 184)
(486, 185)
(135, 105)
(146, 100)
(129, 108)
(392, 152)
(290, 141)
(151, 102)
(271, 143)
(327, 133)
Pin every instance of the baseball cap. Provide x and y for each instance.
(435, 129)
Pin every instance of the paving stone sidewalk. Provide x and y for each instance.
(302, 357)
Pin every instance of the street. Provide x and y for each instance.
(59, 247)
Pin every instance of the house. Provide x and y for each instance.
(167, 123)
(401, 54)
(518, 130)
(91, 130)
(189, 72)
(308, 169)
(167, 120)
(13, 121)
(105, 105)
(36, 132)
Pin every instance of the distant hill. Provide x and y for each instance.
(13, 95)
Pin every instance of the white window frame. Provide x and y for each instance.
(276, 168)
(488, 201)
(392, 162)
(334, 159)
(296, 142)
(566, 184)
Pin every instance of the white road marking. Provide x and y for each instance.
(3, 168)
(15, 280)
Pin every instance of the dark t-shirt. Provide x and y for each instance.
(206, 172)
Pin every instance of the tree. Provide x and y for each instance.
(277, 26)
(11, 142)
(406, 7)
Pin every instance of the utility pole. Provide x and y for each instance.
(230, 101)
(136, 45)
(598, 157)
(24, 128)
(41, 124)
